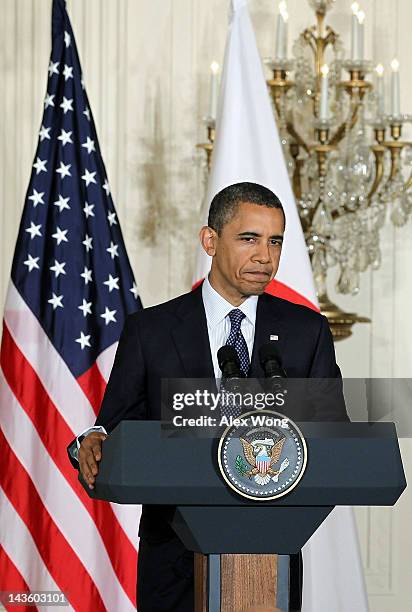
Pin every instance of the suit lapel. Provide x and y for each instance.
(191, 337)
(268, 323)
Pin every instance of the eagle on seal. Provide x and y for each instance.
(263, 455)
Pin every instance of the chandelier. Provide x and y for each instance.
(348, 164)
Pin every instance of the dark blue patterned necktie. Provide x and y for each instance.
(228, 407)
(237, 340)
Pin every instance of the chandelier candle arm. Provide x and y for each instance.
(298, 164)
(380, 133)
(299, 140)
(346, 125)
(396, 130)
(395, 147)
(350, 123)
(379, 154)
(208, 146)
(408, 183)
(279, 86)
(356, 89)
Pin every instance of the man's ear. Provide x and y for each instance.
(208, 239)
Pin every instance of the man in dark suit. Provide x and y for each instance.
(180, 338)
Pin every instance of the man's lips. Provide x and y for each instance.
(258, 275)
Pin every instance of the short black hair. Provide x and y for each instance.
(224, 204)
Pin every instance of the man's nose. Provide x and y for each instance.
(262, 253)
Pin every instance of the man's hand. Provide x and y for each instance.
(90, 453)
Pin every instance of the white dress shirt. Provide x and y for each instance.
(218, 323)
(218, 326)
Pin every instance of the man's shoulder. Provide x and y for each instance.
(291, 311)
(166, 310)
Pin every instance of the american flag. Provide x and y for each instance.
(71, 288)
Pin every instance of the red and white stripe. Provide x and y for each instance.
(262, 465)
(53, 536)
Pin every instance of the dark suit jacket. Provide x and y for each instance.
(171, 341)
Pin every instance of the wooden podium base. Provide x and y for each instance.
(236, 583)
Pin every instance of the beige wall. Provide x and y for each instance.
(146, 73)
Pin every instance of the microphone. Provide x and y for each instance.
(229, 363)
(270, 361)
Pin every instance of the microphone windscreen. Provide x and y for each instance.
(269, 351)
(227, 354)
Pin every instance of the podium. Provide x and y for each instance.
(236, 540)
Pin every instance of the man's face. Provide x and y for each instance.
(247, 251)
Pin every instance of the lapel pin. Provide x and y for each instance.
(273, 337)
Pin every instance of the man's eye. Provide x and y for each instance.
(249, 238)
(276, 242)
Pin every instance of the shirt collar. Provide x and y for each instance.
(217, 308)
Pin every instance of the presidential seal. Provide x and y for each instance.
(263, 455)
